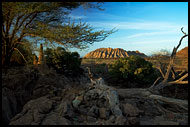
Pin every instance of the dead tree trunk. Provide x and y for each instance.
(153, 91)
(170, 70)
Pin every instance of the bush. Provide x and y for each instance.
(133, 69)
(64, 62)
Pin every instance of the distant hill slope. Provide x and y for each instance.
(183, 52)
(112, 53)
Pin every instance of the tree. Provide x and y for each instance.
(133, 69)
(63, 61)
(45, 21)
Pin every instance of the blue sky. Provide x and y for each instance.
(144, 26)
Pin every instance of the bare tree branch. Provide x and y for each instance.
(16, 26)
(170, 69)
(173, 73)
(22, 34)
(155, 82)
(180, 81)
(25, 18)
(21, 55)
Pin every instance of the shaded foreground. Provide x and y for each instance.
(47, 98)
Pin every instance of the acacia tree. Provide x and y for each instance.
(45, 21)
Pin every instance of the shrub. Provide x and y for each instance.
(133, 69)
(62, 61)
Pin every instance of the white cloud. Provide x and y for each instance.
(170, 32)
(77, 16)
(138, 25)
(148, 28)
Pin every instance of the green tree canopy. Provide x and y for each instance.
(48, 22)
(133, 69)
(63, 61)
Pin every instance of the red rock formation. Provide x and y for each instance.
(183, 52)
(112, 53)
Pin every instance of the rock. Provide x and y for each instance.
(91, 119)
(183, 52)
(93, 111)
(81, 118)
(112, 53)
(70, 114)
(133, 120)
(160, 120)
(33, 111)
(148, 122)
(38, 117)
(102, 112)
(77, 101)
(120, 120)
(83, 109)
(168, 123)
(112, 119)
(130, 110)
(113, 99)
(27, 119)
(62, 108)
(116, 111)
(9, 105)
(102, 102)
(130, 101)
(149, 108)
(53, 119)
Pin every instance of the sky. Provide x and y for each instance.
(144, 26)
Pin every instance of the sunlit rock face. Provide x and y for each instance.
(112, 53)
(183, 52)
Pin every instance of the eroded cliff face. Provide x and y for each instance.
(183, 52)
(112, 53)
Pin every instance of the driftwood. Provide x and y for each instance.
(146, 94)
(165, 82)
(153, 91)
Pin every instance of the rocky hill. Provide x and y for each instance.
(183, 52)
(112, 53)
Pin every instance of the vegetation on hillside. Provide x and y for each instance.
(133, 69)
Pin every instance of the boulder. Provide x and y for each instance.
(130, 110)
(77, 101)
(133, 120)
(102, 112)
(120, 120)
(33, 111)
(55, 119)
(93, 111)
(91, 119)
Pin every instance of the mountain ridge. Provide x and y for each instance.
(112, 53)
